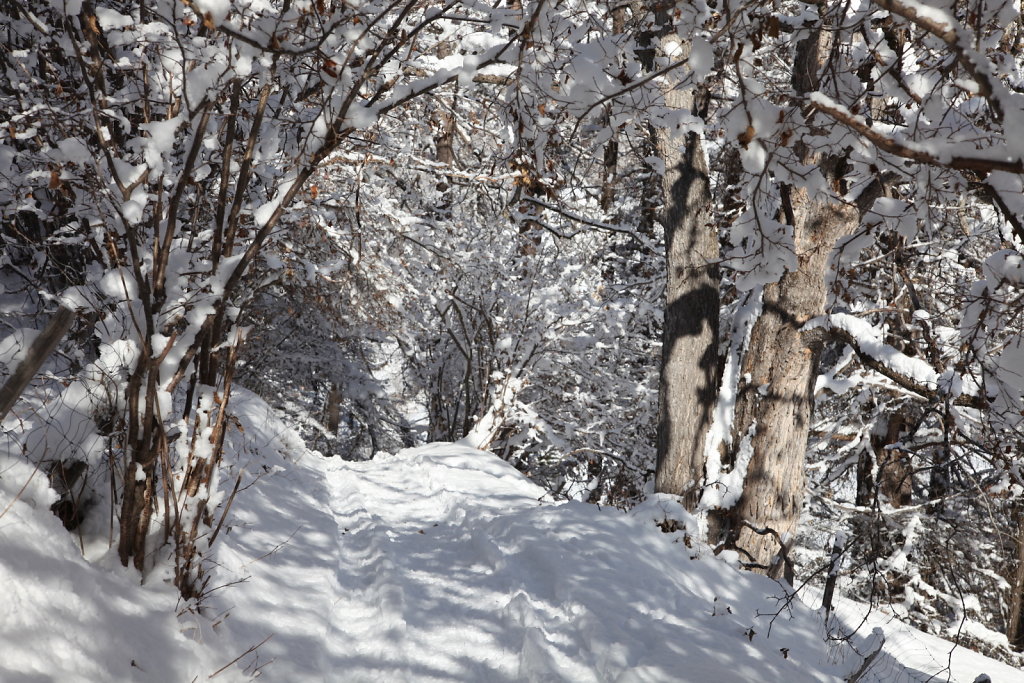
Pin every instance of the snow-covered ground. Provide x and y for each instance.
(439, 563)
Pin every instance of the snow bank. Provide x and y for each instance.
(63, 619)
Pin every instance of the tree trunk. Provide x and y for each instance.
(775, 399)
(1015, 620)
(147, 442)
(775, 403)
(689, 360)
(332, 412)
(894, 470)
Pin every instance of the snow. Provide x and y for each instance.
(14, 347)
(909, 655)
(702, 58)
(438, 563)
(1005, 264)
(161, 140)
(110, 20)
(443, 563)
(216, 9)
(64, 619)
(869, 339)
(725, 408)
(119, 284)
(934, 14)
(75, 151)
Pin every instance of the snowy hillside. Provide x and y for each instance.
(440, 563)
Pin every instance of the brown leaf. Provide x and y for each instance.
(746, 136)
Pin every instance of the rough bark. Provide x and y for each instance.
(894, 470)
(332, 413)
(147, 444)
(689, 363)
(776, 402)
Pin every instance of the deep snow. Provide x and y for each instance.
(440, 563)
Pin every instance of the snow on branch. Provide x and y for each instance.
(912, 374)
(943, 26)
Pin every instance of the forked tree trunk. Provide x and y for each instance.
(689, 360)
(774, 403)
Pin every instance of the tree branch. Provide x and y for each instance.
(949, 33)
(909, 150)
(903, 381)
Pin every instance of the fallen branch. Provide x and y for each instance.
(251, 649)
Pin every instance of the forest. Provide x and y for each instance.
(761, 257)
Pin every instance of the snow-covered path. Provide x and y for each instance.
(441, 563)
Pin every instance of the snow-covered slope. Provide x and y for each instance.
(439, 563)
(64, 619)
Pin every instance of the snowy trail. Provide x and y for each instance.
(441, 564)
(367, 619)
(393, 541)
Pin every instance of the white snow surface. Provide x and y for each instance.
(438, 563)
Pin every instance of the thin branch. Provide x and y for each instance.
(251, 649)
(578, 218)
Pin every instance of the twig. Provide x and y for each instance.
(251, 649)
(20, 492)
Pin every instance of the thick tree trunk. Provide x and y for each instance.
(773, 408)
(775, 403)
(689, 362)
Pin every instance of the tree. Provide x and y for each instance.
(689, 366)
(816, 163)
(180, 139)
